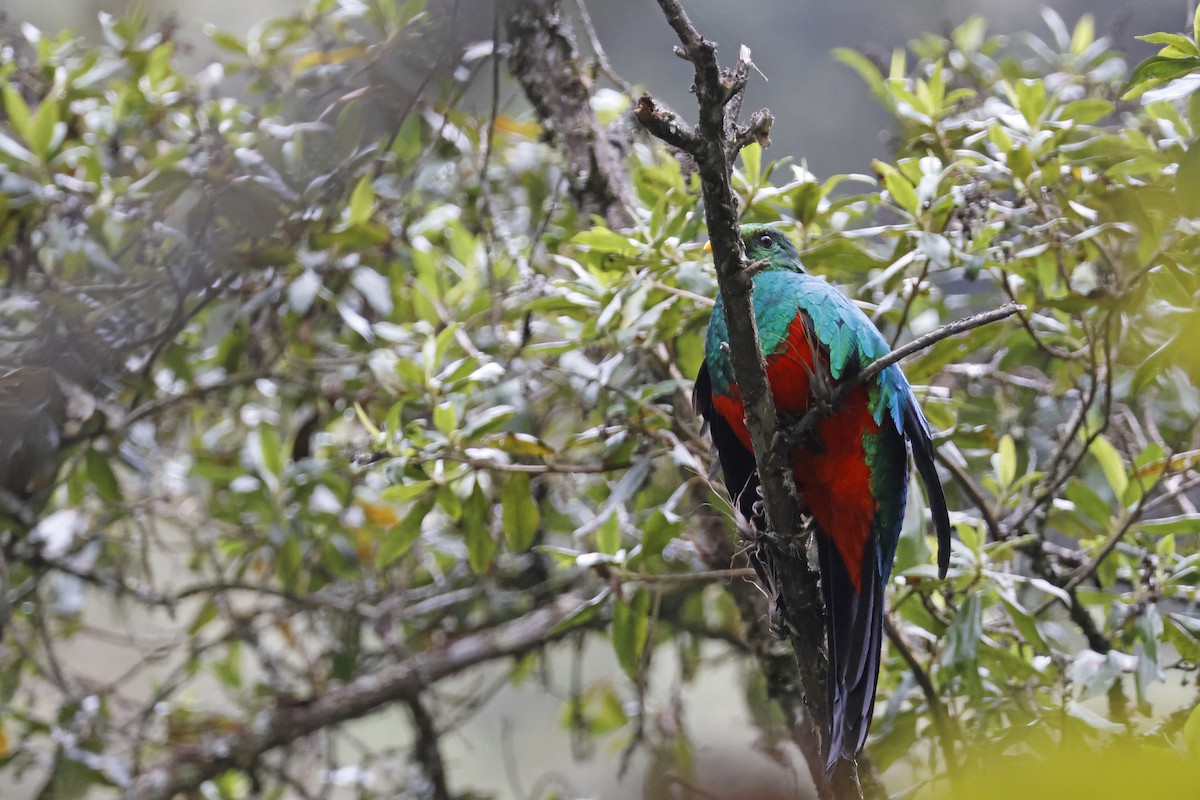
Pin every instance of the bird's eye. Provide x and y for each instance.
(765, 239)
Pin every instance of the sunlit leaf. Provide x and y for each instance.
(1111, 463)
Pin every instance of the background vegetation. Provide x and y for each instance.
(320, 392)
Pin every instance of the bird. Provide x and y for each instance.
(851, 470)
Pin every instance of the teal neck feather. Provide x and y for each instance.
(781, 290)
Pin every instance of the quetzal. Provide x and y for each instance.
(852, 469)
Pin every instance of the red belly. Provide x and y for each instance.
(833, 476)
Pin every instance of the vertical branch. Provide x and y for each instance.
(779, 667)
(782, 553)
(545, 61)
(706, 143)
(427, 752)
(947, 736)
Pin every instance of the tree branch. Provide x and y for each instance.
(428, 753)
(187, 767)
(545, 61)
(937, 709)
(779, 668)
(782, 554)
(796, 432)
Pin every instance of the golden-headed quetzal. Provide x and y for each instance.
(851, 471)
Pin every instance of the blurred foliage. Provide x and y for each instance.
(307, 370)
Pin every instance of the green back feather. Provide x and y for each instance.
(781, 291)
(849, 341)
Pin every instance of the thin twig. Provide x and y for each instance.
(941, 719)
(975, 492)
(598, 53)
(189, 766)
(687, 577)
(796, 432)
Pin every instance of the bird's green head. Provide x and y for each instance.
(765, 243)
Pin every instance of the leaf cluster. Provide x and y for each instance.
(315, 375)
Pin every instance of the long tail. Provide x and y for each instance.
(917, 430)
(854, 625)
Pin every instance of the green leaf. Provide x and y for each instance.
(1026, 624)
(896, 740)
(206, 614)
(1029, 96)
(524, 666)
(657, 531)
(17, 111)
(630, 623)
(1187, 179)
(963, 636)
(272, 450)
(229, 669)
(101, 475)
(752, 163)
(288, 560)
(561, 556)
(403, 492)
(1084, 34)
(1157, 70)
(1112, 465)
(42, 133)
(865, 68)
(602, 240)
(361, 413)
(1086, 111)
(362, 202)
(806, 203)
(518, 444)
(518, 513)
(1148, 468)
(449, 502)
(603, 709)
(444, 417)
(1191, 728)
(1020, 161)
(1006, 466)
(488, 420)
(1180, 45)
(401, 536)
(481, 547)
(1088, 502)
(971, 537)
(901, 189)
(227, 41)
(608, 535)
(1181, 524)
